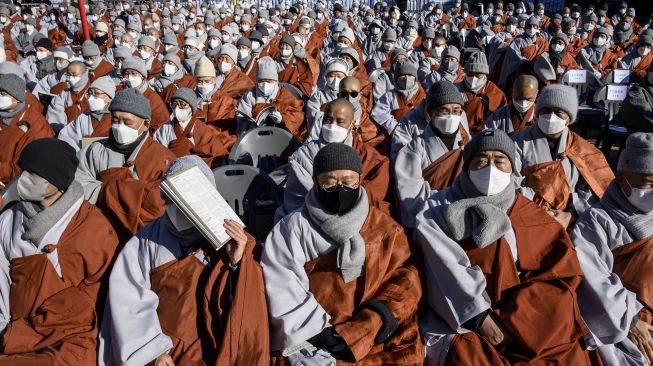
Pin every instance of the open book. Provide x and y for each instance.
(201, 203)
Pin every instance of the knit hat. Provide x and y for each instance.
(244, 41)
(229, 50)
(490, 140)
(102, 27)
(637, 157)
(134, 63)
(186, 162)
(170, 39)
(337, 65)
(558, 96)
(429, 33)
(349, 34)
(38, 157)
(289, 40)
(89, 48)
(13, 85)
(477, 62)
(336, 156)
(131, 101)
(172, 57)
(389, 35)
(204, 68)
(352, 54)
(122, 52)
(441, 93)
(267, 69)
(644, 40)
(147, 41)
(106, 85)
(188, 96)
(47, 44)
(451, 51)
(64, 53)
(405, 68)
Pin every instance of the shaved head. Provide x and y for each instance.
(340, 107)
(350, 83)
(525, 87)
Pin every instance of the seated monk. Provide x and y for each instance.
(518, 114)
(230, 79)
(524, 49)
(172, 77)
(19, 125)
(433, 159)
(341, 282)
(640, 58)
(134, 75)
(597, 55)
(185, 134)
(563, 173)
(292, 69)
(337, 126)
(367, 130)
(448, 68)
(336, 71)
(175, 300)
(54, 281)
(71, 102)
(121, 174)
(482, 97)
(286, 111)
(501, 273)
(96, 65)
(95, 123)
(559, 56)
(147, 52)
(613, 240)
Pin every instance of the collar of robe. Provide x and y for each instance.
(126, 149)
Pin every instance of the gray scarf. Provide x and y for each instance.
(162, 82)
(344, 230)
(596, 53)
(482, 217)
(39, 221)
(8, 116)
(81, 84)
(408, 93)
(638, 224)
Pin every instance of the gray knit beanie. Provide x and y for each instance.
(172, 57)
(134, 63)
(229, 50)
(267, 69)
(451, 51)
(11, 68)
(443, 92)
(405, 68)
(389, 35)
(558, 96)
(637, 157)
(336, 156)
(106, 85)
(477, 62)
(147, 41)
(131, 101)
(490, 140)
(13, 85)
(89, 48)
(188, 96)
(187, 162)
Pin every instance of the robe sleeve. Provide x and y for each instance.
(608, 308)
(72, 133)
(56, 114)
(137, 337)
(299, 182)
(5, 279)
(86, 174)
(382, 112)
(412, 189)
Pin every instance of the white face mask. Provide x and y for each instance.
(256, 45)
(74, 80)
(511, 28)
(286, 53)
(333, 83)
(557, 48)
(474, 83)
(200, 32)
(551, 124)
(490, 180)
(243, 54)
(134, 81)
(5, 102)
(333, 133)
(123, 134)
(225, 67)
(41, 55)
(214, 43)
(169, 69)
(95, 104)
(183, 115)
(134, 35)
(29, 28)
(437, 51)
(531, 31)
(32, 188)
(522, 105)
(61, 65)
(205, 88)
(446, 124)
(145, 55)
(100, 34)
(265, 88)
(599, 41)
(177, 218)
(388, 46)
(642, 199)
(643, 51)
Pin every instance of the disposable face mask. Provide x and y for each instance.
(286, 53)
(551, 124)
(375, 30)
(41, 55)
(333, 133)
(244, 27)
(183, 115)
(200, 32)
(474, 83)
(225, 67)
(266, 88)
(531, 32)
(643, 51)
(3, 19)
(256, 45)
(133, 34)
(599, 41)
(214, 43)
(61, 65)
(449, 67)
(191, 53)
(446, 124)
(95, 104)
(522, 105)
(333, 83)
(73, 80)
(388, 46)
(437, 51)
(145, 55)
(123, 134)
(100, 34)
(169, 69)
(177, 218)
(588, 27)
(405, 82)
(134, 81)
(540, 12)
(490, 180)
(205, 88)
(642, 199)
(32, 188)
(175, 27)
(5, 102)
(557, 48)
(572, 31)
(243, 54)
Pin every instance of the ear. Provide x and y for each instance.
(620, 179)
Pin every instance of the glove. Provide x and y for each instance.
(389, 326)
(330, 341)
(276, 117)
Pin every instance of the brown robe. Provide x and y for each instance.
(236, 84)
(444, 170)
(207, 143)
(407, 105)
(102, 127)
(479, 106)
(160, 114)
(155, 70)
(632, 262)
(79, 104)
(220, 114)
(533, 51)
(642, 68)
(291, 109)
(104, 68)
(13, 140)
(186, 81)
(525, 303)
(549, 181)
(298, 73)
(375, 177)
(54, 320)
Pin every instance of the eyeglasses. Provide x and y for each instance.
(346, 94)
(179, 103)
(344, 187)
(94, 93)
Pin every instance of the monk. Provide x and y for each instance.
(482, 96)
(501, 273)
(639, 59)
(518, 114)
(175, 300)
(433, 159)
(563, 173)
(121, 174)
(172, 77)
(234, 82)
(292, 69)
(134, 75)
(20, 125)
(369, 132)
(613, 241)
(54, 282)
(559, 56)
(523, 50)
(341, 283)
(71, 102)
(96, 65)
(185, 134)
(596, 56)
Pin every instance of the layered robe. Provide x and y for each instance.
(86, 125)
(104, 68)
(66, 106)
(306, 292)
(525, 279)
(606, 63)
(509, 120)
(522, 50)
(236, 84)
(572, 180)
(186, 81)
(252, 104)
(393, 106)
(219, 112)
(298, 73)
(478, 106)
(412, 125)
(171, 294)
(636, 64)
(196, 138)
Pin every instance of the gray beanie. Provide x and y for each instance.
(134, 63)
(451, 51)
(187, 162)
(131, 101)
(229, 50)
(172, 57)
(637, 157)
(558, 96)
(441, 93)
(122, 52)
(170, 39)
(267, 69)
(244, 41)
(405, 68)
(147, 41)
(89, 48)
(477, 62)
(336, 156)
(490, 140)
(10, 67)
(13, 85)
(389, 35)
(188, 96)
(106, 85)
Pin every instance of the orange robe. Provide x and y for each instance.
(186, 81)
(479, 106)
(236, 84)
(207, 143)
(104, 68)
(160, 114)
(299, 74)
(220, 114)
(292, 112)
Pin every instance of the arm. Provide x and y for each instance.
(56, 114)
(86, 174)
(412, 189)
(382, 111)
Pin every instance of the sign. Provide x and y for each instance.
(621, 76)
(577, 76)
(616, 92)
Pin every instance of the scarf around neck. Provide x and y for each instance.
(345, 231)
(8, 116)
(162, 82)
(638, 224)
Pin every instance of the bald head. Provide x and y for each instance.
(350, 84)
(525, 88)
(340, 112)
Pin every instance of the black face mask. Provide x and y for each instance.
(339, 201)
